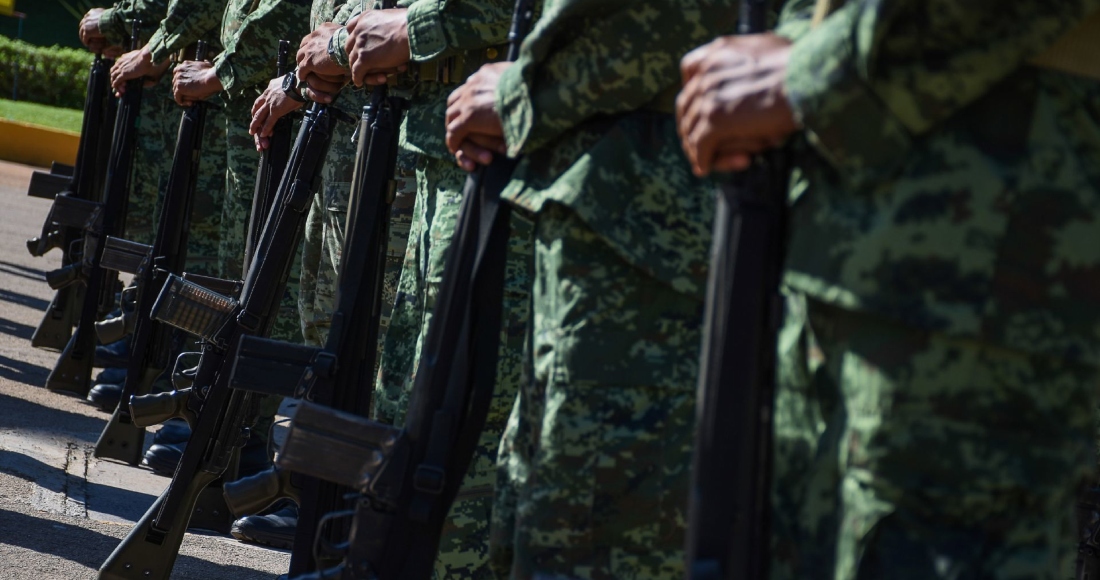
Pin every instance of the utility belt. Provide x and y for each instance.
(453, 70)
(188, 52)
(1076, 52)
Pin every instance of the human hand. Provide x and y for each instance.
(89, 32)
(377, 45)
(271, 106)
(132, 65)
(194, 80)
(734, 102)
(316, 68)
(474, 131)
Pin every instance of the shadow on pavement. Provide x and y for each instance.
(16, 329)
(124, 503)
(31, 302)
(22, 371)
(90, 548)
(22, 271)
(32, 416)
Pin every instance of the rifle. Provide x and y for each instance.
(339, 374)
(73, 371)
(151, 343)
(83, 181)
(272, 162)
(729, 529)
(215, 412)
(409, 477)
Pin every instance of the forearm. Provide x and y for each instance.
(249, 54)
(186, 22)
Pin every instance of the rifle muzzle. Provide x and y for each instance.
(149, 410)
(62, 277)
(115, 329)
(253, 494)
(39, 245)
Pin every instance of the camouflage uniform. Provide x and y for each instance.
(473, 33)
(600, 441)
(939, 358)
(250, 34)
(156, 139)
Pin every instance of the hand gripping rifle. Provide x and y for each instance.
(151, 265)
(728, 531)
(84, 182)
(216, 412)
(73, 371)
(338, 375)
(272, 162)
(408, 478)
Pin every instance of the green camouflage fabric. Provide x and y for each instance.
(951, 189)
(250, 34)
(152, 164)
(902, 453)
(464, 545)
(115, 23)
(595, 474)
(942, 295)
(185, 22)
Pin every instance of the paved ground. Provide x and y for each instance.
(62, 511)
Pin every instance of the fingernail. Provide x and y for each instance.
(484, 158)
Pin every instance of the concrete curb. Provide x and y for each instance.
(36, 145)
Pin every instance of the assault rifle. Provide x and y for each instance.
(409, 477)
(728, 530)
(272, 162)
(338, 375)
(151, 265)
(84, 181)
(98, 220)
(215, 412)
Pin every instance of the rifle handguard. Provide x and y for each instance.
(340, 447)
(149, 410)
(253, 494)
(67, 276)
(192, 308)
(123, 255)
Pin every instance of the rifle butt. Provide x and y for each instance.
(73, 372)
(211, 512)
(120, 440)
(56, 328)
(148, 553)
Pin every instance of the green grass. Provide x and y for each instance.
(43, 115)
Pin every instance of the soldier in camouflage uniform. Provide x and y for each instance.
(939, 361)
(250, 33)
(597, 469)
(184, 22)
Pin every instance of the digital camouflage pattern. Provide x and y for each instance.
(115, 22)
(250, 34)
(942, 295)
(186, 22)
(902, 453)
(622, 243)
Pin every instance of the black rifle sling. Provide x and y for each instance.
(729, 506)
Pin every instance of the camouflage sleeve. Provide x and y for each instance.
(248, 56)
(590, 57)
(186, 22)
(115, 22)
(443, 27)
(942, 55)
(340, 37)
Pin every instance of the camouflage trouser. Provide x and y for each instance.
(903, 454)
(158, 127)
(464, 545)
(324, 240)
(602, 434)
(242, 162)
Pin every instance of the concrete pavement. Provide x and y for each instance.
(63, 511)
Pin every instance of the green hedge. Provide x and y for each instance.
(53, 75)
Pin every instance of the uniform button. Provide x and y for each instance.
(491, 53)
